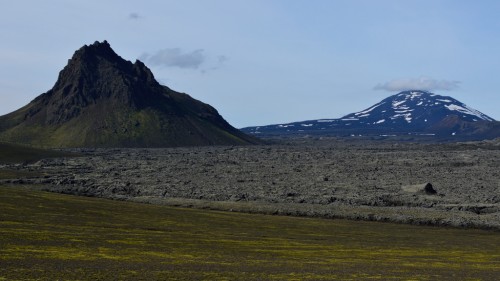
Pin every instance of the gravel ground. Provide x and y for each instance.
(311, 177)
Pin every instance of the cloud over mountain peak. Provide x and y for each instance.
(422, 83)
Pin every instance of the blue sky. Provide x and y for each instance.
(262, 62)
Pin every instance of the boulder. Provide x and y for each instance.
(424, 188)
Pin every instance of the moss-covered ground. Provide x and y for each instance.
(48, 236)
(13, 153)
(17, 154)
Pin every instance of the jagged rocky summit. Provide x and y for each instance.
(102, 100)
(415, 112)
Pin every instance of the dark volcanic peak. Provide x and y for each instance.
(100, 99)
(101, 49)
(415, 112)
(96, 71)
(97, 76)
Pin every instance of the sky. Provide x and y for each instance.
(261, 62)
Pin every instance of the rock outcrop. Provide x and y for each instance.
(424, 188)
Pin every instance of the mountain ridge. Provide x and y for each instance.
(102, 100)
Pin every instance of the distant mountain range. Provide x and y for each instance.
(102, 100)
(417, 113)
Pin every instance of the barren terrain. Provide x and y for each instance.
(306, 177)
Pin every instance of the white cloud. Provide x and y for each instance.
(175, 57)
(422, 83)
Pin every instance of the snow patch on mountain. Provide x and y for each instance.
(395, 104)
(369, 109)
(467, 110)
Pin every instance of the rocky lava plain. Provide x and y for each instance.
(326, 177)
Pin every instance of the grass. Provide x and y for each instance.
(13, 153)
(48, 236)
(17, 154)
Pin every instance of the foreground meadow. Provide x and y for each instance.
(48, 236)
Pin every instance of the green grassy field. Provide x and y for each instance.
(47, 236)
(16, 154)
(13, 153)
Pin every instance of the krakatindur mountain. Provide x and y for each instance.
(102, 100)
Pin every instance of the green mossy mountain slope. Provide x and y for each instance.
(102, 100)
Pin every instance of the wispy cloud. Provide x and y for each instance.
(422, 83)
(175, 57)
(222, 59)
(134, 16)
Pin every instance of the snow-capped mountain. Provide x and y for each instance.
(409, 112)
(415, 108)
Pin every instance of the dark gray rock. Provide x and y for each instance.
(424, 188)
(362, 177)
